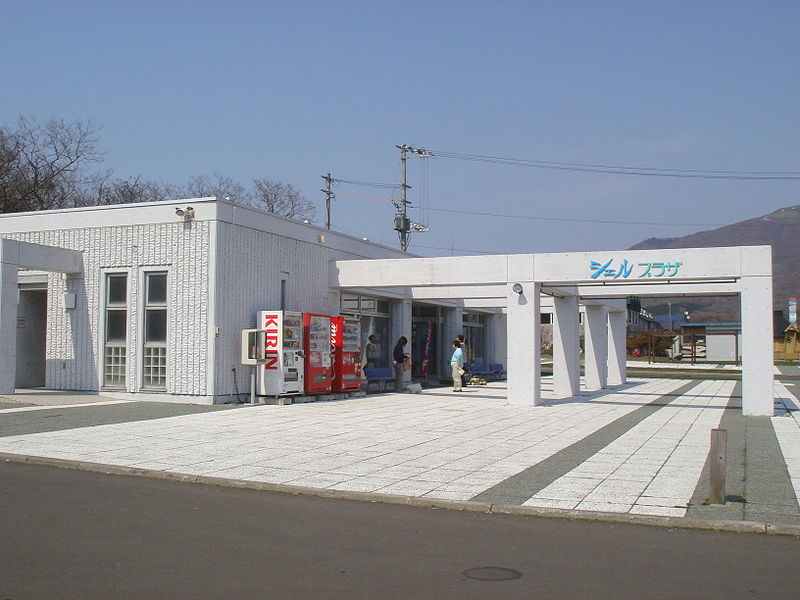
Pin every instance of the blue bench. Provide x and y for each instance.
(379, 374)
(497, 370)
(479, 370)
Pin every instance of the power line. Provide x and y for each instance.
(368, 183)
(457, 249)
(537, 218)
(573, 220)
(623, 170)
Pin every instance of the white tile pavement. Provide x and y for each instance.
(436, 444)
(786, 424)
(651, 469)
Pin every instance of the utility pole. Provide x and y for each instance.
(329, 195)
(402, 223)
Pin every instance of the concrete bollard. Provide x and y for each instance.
(719, 463)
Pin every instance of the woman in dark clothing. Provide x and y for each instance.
(398, 358)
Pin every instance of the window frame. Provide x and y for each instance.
(143, 346)
(106, 274)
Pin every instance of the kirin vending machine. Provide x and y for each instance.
(346, 346)
(318, 367)
(280, 369)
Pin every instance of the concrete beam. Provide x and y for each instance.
(410, 272)
(663, 265)
(483, 303)
(667, 289)
(44, 258)
(439, 292)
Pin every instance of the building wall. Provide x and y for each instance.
(722, 347)
(252, 259)
(73, 336)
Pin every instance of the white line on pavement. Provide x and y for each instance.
(29, 408)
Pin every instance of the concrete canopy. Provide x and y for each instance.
(601, 281)
(15, 255)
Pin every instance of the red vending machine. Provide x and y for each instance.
(318, 367)
(346, 346)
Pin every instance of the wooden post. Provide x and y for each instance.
(719, 460)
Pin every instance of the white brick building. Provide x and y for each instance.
(161, 299)
(149, 300)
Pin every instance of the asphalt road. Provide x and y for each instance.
(68, 534)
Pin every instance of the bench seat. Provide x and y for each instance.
(379, 374)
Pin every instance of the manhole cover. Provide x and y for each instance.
(492, 574)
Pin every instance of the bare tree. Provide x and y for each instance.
(42, 164)
(217, 185)
(102, 188)
(282, 199)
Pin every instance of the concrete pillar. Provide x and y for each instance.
(9, 296)
(401, 325)
(617, 347)
(523, 335)
(757, 361)
(595, 342)
(496, 339)
(566, 347)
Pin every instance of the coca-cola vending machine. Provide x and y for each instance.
(280, 371)
(346, 346)
(318, 367)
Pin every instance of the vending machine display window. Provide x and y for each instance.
(318, 368)
(346, 345)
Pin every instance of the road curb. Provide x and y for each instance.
(414, 501)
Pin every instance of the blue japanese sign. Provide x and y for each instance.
(792, 310)
(625, 269)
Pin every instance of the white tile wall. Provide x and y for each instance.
(72, 335)
(249, 267)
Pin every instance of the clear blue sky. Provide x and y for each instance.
(293, 90)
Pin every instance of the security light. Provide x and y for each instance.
(517, 287)
(187, 213)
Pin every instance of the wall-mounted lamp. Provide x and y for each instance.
(517, 287)
(187, 213)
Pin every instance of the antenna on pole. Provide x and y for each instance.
(329, 195)
(402, 223)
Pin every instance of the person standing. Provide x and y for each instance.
(399, 357)
(464, 359)
(456, 363)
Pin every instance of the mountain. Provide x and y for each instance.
(780, 229)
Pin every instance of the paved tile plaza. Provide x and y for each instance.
(638, 449)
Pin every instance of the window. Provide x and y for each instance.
(115, 355)
(353, 304)
(374, 314)
(154, 363)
